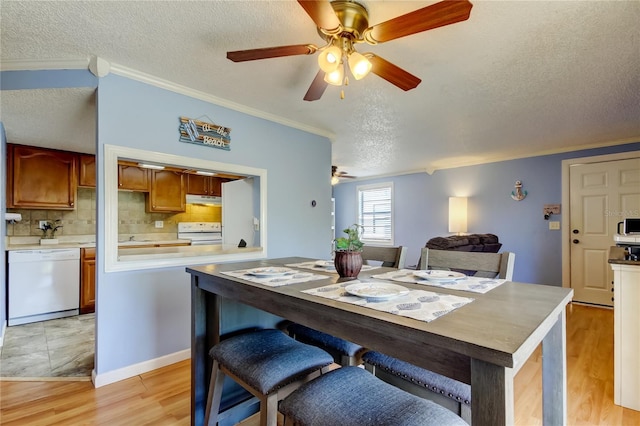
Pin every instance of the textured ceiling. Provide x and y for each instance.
(517, 79)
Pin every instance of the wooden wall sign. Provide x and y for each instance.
(203, 133)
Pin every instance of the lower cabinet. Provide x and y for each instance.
(88, 281)
(626, 336)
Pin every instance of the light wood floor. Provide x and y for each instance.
(162, 397)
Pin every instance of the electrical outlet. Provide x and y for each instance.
(159, 224)
(554, 225)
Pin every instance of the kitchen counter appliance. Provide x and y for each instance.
(629, 238)
(43, 284)
(200, 233)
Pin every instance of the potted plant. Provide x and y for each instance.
(348, 252)
(49, 232)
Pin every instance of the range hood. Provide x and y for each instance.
(204, 199)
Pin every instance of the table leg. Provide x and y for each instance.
(491, 394)
(205, 332)
(554, 374)
(198, 363)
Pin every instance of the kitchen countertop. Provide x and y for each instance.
(134, 254)
(625, 262)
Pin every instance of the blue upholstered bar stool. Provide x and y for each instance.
(351, 396)
(267, 363)
(343, 352)
(449, 393)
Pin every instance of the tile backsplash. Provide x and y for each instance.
(132, 217)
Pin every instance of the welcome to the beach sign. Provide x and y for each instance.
(203, 133)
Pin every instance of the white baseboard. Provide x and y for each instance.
(4, 330)
(100, 380)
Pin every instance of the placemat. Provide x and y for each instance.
(421, 305)
(472, 284)
(327, 266)
(294, 277)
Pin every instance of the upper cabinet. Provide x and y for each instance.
(40, 178)
(204, 185)
(132, 178)
(168, 191)
(87, 170)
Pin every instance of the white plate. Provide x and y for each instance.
(436, 275)
(269, 272)
(376, 290)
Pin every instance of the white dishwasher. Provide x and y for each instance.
(43, 284)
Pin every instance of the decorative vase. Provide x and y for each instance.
(348, 263)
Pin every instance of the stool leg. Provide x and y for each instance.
(215, 395)
(269, 410)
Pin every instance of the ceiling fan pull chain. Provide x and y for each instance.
(341, 94)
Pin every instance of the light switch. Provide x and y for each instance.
(554, 225)
(159, 224)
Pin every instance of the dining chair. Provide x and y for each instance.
(350, 396)
(344, 352)
(479, 264)
(454, 395)
(268, 364)
(392, 257)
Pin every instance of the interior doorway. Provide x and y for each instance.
(599, 192)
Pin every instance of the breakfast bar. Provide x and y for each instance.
(483, 343)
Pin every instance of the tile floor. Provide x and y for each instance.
(56, 348)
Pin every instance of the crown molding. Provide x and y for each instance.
(542, 153)
(59, 64)
(44, 64)
(187, 91)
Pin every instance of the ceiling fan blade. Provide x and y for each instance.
(430, 17)
(322, 14)
(392, 73)
(317, 88)
(271, 52)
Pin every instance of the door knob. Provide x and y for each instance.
(576, 241)
(575, 231)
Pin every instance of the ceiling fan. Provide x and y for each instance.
(343, 24)
(337, 175)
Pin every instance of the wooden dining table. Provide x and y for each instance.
(483, 343)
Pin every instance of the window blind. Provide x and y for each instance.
(375, 213)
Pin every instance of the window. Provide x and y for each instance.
(375, 213)
(171, 256)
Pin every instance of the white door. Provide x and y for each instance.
(601, 195)
(237, 212)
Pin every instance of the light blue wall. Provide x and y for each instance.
(145, 315)
(47, 79)
(3, 230)
(421, 208)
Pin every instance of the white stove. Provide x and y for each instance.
(200, 233)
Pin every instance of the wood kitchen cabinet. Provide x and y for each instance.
(167, 192)
(87, 280)
(132, 178)
(40, 178)
(204, 185)
(87, 170)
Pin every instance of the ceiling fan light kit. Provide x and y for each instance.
(335, 77)
(330, 58)
(344, 23)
